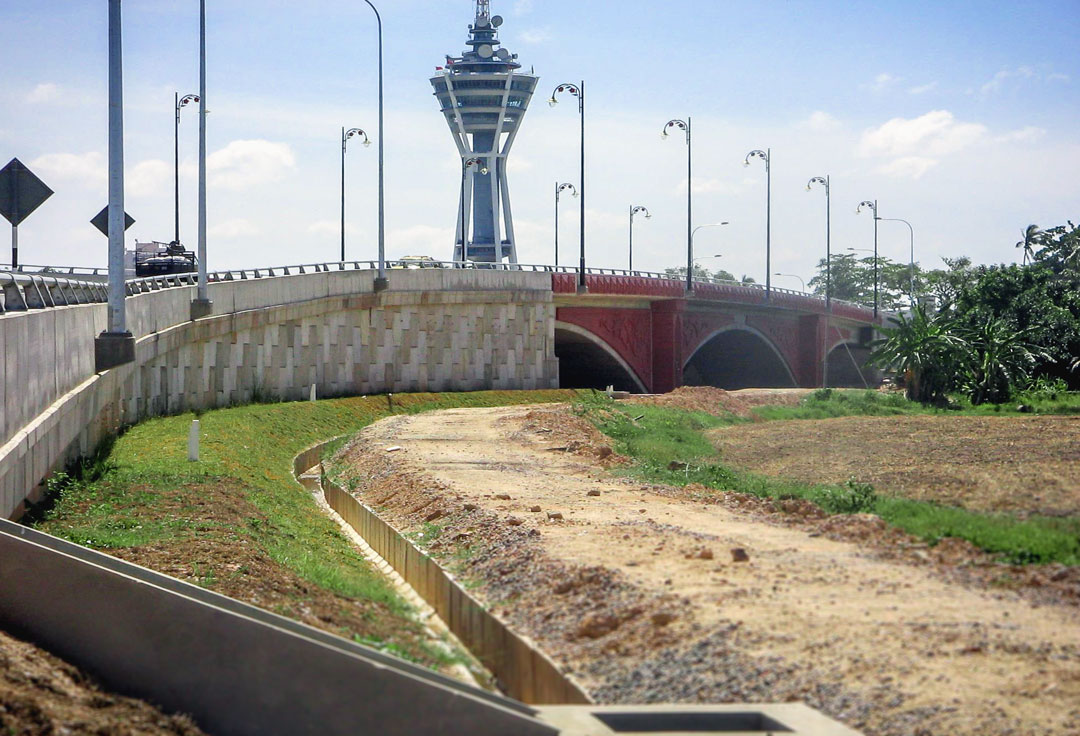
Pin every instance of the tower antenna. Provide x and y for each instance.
(483, 11)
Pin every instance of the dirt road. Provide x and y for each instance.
(635, 589)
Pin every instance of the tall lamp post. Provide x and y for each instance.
(635, 210)
(692, 234)
(766, 156)
(684, 125)
(345, 136)
(115, 345)
(380, 281)
(202, 306)
(872, 204)
(559, 189)
(181, 102)
(794, 276)
(911, 231)
(577, 90)
(825, 182)
(471, 163)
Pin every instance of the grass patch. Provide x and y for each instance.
(143, 491)
(828, 403)
(669, 446)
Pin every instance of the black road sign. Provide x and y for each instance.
(101, 221)
(20, 192)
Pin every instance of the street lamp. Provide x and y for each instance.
(684, 125)
(380, 282)
(635, 210)
(345, 136)
(694, 260)
(577, 90)
(825, 182)
(472, 163)
(873, 206)
(180, 103)
(559, 189)
(766, 156)
(794, 276)
(911, 231)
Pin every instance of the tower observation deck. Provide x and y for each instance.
(484, 98)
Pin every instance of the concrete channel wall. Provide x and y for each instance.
(238, 670)
(272, 338)
(522, 670)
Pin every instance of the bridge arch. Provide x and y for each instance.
(586, 361)
(847, 366)
(738, 356)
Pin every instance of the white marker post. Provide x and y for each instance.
(193, 442)
(312, 397)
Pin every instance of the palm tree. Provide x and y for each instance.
(926, 350)
(1031, 234)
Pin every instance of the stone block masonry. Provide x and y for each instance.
(434, 330)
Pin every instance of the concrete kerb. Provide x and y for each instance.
(522, 670)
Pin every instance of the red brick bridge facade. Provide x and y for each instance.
(648, 334)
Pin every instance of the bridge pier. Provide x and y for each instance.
(667, 329)
(809, 371)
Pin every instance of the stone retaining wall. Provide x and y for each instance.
(434, 330)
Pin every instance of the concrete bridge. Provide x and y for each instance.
(276, 332)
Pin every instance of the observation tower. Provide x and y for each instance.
(484, 98)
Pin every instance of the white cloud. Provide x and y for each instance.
(820, 122)
(923, 88)
(247, 163)
(995, 84)
(908, 167)
(1058, 77)
(87, 169)
(523, 7)
(936, 133)
(713, 186)
(534, 35)
(882, 82)
(325, 227)
(419, 240)
(148, 178)
(44, 93)
(236, 228)
(519, 164)
(1023, 135)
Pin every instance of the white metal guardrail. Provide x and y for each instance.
(42, 287)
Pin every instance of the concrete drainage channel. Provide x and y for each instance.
(526, 673)
(241, 671)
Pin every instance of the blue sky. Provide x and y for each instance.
(958, 116)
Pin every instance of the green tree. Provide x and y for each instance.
(852, 279)
(1030, 238)
(700, 272)
(926, 349)
(998, 358)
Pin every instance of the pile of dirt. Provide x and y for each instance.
(719, 402)
(564, 431)
(41, 695)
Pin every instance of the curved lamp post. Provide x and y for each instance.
(684, 125)
(472, 163)
(181, 102)
(794, 276)
(911, 231)
(345, 136)
(693, 233)
(825, 182)
(635, 210)
(872, 204)
(559, 189)
(766, 156)
(577, 90)
(380, 282)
